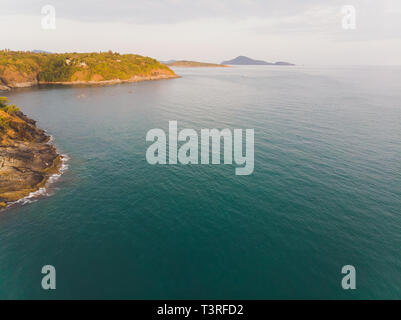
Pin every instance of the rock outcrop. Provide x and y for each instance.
(27, 159)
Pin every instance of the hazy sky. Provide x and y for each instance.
(300, 31)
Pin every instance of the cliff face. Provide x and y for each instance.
(25, 69)
(26, 158)
(11, 77)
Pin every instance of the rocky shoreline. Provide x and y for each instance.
(27, 159)
(11, 85)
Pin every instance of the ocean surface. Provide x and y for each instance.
(325, 192)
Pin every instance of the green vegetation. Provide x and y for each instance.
(64, 67)
(3, 102)
(3, 123)
(56, 69)
(5, 107)
(9, 108)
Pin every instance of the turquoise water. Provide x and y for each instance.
(325, 191)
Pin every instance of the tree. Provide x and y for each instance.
(3, 102)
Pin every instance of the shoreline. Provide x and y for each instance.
(197, 66)
(52, 173)
(41, 189)
(4, 87)
(29, 159)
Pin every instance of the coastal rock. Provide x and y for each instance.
(11, 77)
(27, 160)
(3, 86)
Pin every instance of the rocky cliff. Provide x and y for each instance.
(27, 160)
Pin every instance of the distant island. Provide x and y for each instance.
(40, 51)
(26, 68)
(27, 158)
(193, 64)
(242, 60)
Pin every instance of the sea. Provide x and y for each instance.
(325, 191)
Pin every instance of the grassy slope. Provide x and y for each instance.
(18, 67)
(7, 111)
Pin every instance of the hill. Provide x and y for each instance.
(24, 69)
(242, 60)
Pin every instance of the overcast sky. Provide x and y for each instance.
(300, 31)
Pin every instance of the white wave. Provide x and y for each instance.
(44, 191)
(51, 139)
(32, 197)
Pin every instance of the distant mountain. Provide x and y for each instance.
(40, 51)
(242, 60)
